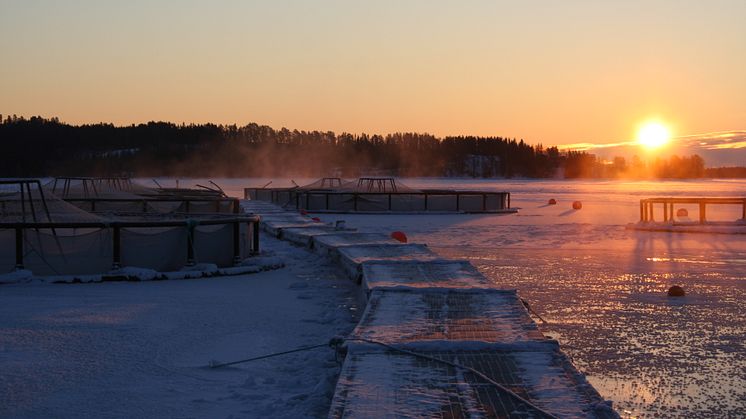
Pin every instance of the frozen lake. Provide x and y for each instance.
(602, 288)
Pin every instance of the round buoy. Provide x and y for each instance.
(552, 201)
(676, 291)
(682, 212)
(577, 205)
(398, 235)
(316, 219)
(303, 212)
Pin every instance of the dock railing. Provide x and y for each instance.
(647, 207)
(183, 205)
(399, 201)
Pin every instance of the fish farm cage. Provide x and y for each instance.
(81, 226)
(380, 195)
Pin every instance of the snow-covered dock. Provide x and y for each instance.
(437, 339)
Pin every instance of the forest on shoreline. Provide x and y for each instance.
(39, 146)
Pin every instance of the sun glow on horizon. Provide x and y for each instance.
(653, 135)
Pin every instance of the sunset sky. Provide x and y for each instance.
(551, 72)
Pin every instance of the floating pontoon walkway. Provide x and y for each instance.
(437, 339)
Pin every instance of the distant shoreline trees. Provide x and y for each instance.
(48, 147)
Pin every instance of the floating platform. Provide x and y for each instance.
(453, 274)
(329, 244)
(735, 227)
(418, 318)
(352, 258)
(437, 339)
(378, 383)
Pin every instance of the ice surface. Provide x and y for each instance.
(353, 257)
(141, 349)
(442, 274)
(305, 236)
(409, 386)
(328, 244)
(739, 227)
(414, 316)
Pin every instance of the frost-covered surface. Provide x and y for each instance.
(416, 315)
(141, 349)
(352, 257)
(407, 274)
(16, 276)
(602, 287)
(304, 235)
(330, 243)
(276, 228)
(401, 385)
(132, 274)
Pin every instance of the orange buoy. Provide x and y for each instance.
(577, 205)
(676, 291)
(398, 235)
(682, 212)
(316, 219)
(552, 202)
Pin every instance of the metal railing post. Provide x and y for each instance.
(702, 215)
(642, 217)
(236, 243)
(116, 256)
(255, 237)
(19, 248)
(190, 242)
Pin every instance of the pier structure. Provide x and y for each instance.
(436, 338)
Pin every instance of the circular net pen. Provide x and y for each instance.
(381, 195)
(48, 236)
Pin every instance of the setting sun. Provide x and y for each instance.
(653, 135)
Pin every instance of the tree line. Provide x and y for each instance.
(47, 147)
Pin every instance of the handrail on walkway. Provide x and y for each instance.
(647, 207)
